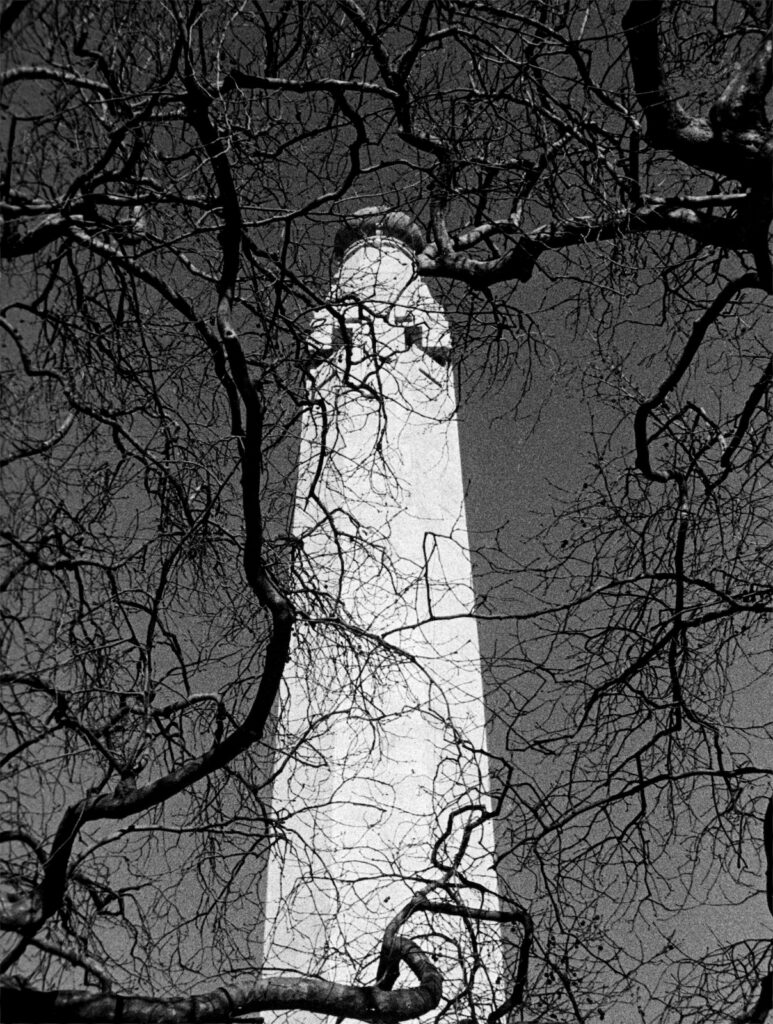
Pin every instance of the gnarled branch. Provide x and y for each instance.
(21, 1005)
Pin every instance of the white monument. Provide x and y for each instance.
(382, 775)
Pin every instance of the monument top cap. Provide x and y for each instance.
(378, 220)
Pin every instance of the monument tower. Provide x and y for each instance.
(381, 776)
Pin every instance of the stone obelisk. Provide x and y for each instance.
(381, 782)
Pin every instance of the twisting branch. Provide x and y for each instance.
(21, 1005)
(26, 915)
(389, 959)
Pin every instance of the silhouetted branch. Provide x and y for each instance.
(21, 1005)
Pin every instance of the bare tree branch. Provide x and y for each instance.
(729, 143)
(21, 1005)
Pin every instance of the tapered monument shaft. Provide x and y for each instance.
(382, 783)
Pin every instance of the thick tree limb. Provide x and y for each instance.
(520, 260)
(763, 1006)
(15, 243)
(389, 960)
(741, 107)
(735, 141)
(10, 14)
(39, 72)
(21, 1005)
(237, 78)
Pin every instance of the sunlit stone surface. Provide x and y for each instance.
(382, 746)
